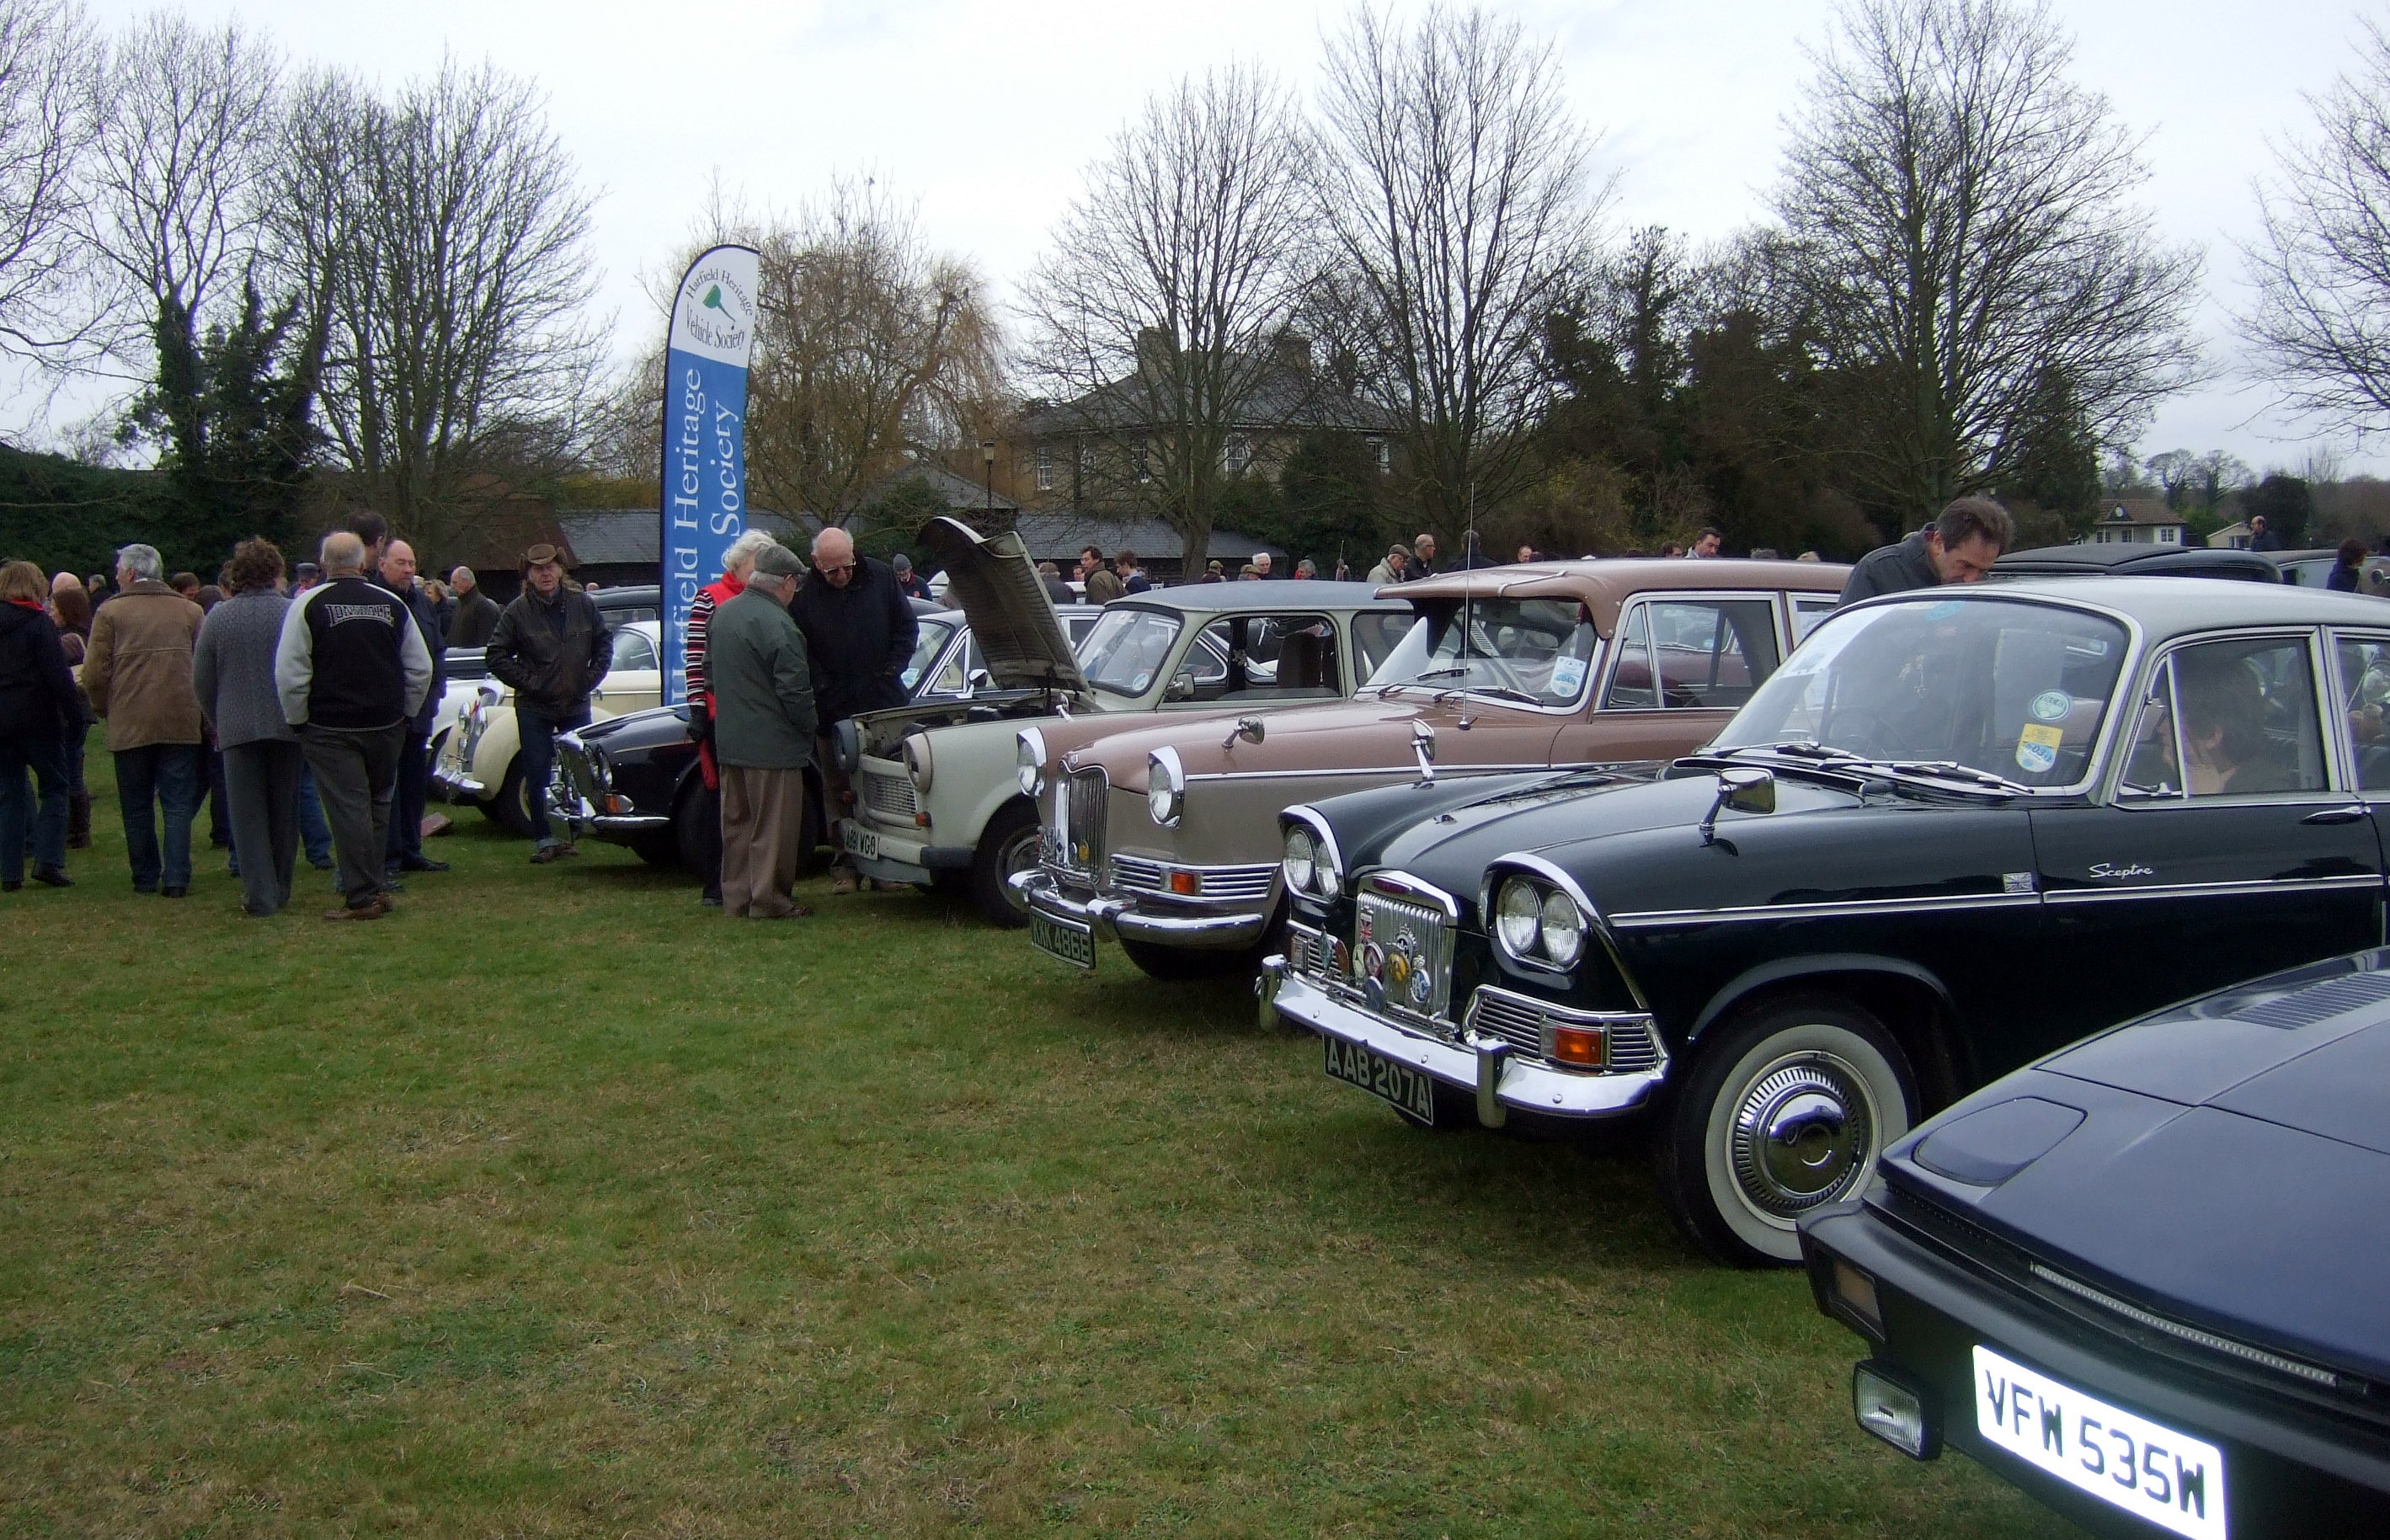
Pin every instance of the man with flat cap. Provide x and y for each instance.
(761, 675)
(550, 647)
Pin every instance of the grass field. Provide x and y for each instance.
(554, 1205)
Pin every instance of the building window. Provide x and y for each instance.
(1236, 454)
(1045, 467)
(1381, 454)
(1140, 460)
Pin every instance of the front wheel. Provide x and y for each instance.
(1787, 1108)
(1007, 846)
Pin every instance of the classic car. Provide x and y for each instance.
(479, 761)
(2141, 1280)
(1166, 838)
(466, 668)
(631, 779)
(937, 789)
(1956, 829)
(2313, 570)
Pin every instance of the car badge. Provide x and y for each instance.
(1374, 993)
(1373, 960)
(1421, 987)
(1398, 971)
(1083, 853)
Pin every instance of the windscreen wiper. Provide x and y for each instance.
(1948, 770)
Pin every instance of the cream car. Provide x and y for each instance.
(480, 760)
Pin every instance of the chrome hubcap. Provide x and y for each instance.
(1803, 1136)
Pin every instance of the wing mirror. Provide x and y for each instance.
(1743, 789)
(1181, 686)
(1249, 728)
(1424, 746)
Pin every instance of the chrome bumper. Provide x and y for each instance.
(455, 785)
(1485, 1067)
(588, 788)
(1118, 918)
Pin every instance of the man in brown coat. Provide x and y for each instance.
(138, 675)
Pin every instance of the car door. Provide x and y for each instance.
(2259, 856)
(1680, 665)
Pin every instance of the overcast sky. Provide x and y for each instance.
(987, 111)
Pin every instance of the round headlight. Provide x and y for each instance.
(1029, 761)
(1518, 910)
(1302, 853)
(1165, 796)
(916, 760)
(1563, 930)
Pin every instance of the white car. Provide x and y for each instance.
(479, 761)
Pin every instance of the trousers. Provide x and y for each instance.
(537, 754)
(39, 809)
(355, 775)
(262, 794)
(762, 810)
(159, 780)
(407, 801)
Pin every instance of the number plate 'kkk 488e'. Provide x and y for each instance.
(2166, 1477)
(1401, 1086)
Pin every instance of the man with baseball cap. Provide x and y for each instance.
(551, 647)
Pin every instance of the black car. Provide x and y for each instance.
(2136, 559)
(2143, 1279)
(629, 779)
(1952, 833)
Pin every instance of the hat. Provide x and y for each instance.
(778, 561)
(541, 554)
(901, 562)
(1214, 567)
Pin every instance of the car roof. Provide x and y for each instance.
(2169, 606)
(1603, 586)
(1267, 593)
(2190, 560)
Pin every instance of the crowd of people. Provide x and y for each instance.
(296, 703)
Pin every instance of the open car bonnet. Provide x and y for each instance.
(1011, 619)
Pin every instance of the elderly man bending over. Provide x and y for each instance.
(756, 667)
(859, 633)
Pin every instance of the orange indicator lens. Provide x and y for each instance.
(1578, 1046)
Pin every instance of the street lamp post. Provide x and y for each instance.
(987, 459)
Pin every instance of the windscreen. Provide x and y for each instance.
(1536, 651)
(928, 641)
(1127, 648)
(2011, 689)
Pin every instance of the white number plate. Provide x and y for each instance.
(857, 840)
(2166, 1477)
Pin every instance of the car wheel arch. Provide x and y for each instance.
(1913, 1004)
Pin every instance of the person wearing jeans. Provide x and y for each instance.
(37, 701)
(137, 672)
(351, 666)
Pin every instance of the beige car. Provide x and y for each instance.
(1165, 839)
(479, 761)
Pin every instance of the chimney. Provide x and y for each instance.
(1293, 350)
(1155, 349)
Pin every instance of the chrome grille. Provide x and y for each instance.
(1089, 795)
(890, 796)
(1403, 947)
(1227, 884)
(1523, 1022)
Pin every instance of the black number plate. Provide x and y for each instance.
(1074, 944)
(1400, 1087)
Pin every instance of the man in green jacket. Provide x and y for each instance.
(755, 665)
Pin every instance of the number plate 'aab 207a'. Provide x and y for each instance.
(1399, 1085)
(2166, 1477)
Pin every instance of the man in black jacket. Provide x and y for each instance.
(551, 647)
(1959, 546)
(859, 633)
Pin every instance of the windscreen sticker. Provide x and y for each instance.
(1142, 680)
(1568, 674)
(2036, 748)
(2051, 706)
(1943, 611)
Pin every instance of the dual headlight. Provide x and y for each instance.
(1166, 791)
(1310, 864)
(1029, 761)
(1536, 924)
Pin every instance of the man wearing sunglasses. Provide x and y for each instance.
(859, 634)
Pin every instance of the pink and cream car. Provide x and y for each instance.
(1165, 837)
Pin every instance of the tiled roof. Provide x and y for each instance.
(1061, 536)
(629, 537)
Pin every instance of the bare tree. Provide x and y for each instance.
(1459, 196)
(1161, 312)
(1963, 236)
(45, 127)
(2320, 325)
(450, 236)
(869, 347)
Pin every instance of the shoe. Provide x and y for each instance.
(390, 882)
(53, 876)
(545, 854)
(843, 881)
(149, 891)
(321, 866)
(797, 911)
(880, 885)
(176, 892)
(420, 864)
(373, 910)
(568, 848)
(711, 901)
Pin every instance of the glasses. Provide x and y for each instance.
(830, 571)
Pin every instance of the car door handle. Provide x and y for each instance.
(2354, 813)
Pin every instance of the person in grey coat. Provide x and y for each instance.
(232, 673)
(758, 668)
